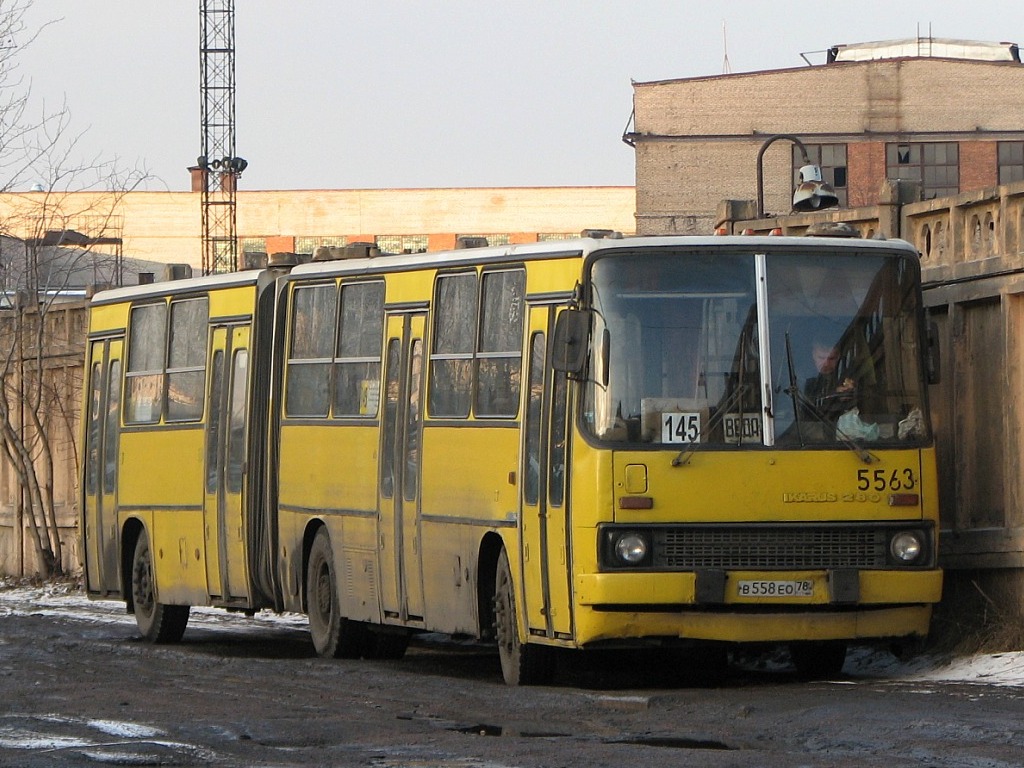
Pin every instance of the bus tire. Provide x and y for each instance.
(334, 636)
(818, 660)
(158, 623)
(521, 663)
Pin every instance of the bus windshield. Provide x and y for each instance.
(813, 348)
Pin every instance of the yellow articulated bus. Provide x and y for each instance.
(594, 443)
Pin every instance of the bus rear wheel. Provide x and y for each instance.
(158, 623)
(334, 636)
(521, 663)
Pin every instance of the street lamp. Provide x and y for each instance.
(812, 193)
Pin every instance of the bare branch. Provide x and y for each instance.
(54, 241)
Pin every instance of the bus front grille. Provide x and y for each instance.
(770, 547)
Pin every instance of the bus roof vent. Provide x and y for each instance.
(177, 272)
(831, 229)
(282, 259)
(470, 241)
(351, 251)
(359, 251)
(601, 234)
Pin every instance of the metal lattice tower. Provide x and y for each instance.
(218, 161)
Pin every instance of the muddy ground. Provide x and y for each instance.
(77, 687)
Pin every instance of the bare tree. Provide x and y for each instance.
(62, 234)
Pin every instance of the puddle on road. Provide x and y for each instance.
(669, 742)
(672, 742)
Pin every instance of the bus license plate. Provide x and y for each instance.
(775, 588)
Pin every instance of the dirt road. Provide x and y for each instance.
(77, 687)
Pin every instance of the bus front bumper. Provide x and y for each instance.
(865, 605)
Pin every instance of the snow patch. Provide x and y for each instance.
(124, 730)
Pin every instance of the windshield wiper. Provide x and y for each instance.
(800, 398)
(794, 390)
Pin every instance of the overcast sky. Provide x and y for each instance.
(459, 93)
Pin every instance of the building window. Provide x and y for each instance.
(1011, 161)
(402, 243)
(252, 244)
(831, 158)
(309, 244)
(936, 165)
(492, 239)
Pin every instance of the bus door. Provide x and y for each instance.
(546, 566)
(102, 536)
(398, 527)
(226, 571)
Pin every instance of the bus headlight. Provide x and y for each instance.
(631, 548)
(906, 546)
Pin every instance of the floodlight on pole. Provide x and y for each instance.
(811, 194)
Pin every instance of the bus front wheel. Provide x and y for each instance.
(521, 663)
(333, 635)
(159, 623)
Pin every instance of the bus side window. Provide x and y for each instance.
(144, 384)
(500, 347)
(451, 359)
(186, 363)
(357, 364)
(307, 381)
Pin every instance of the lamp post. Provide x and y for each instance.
(811, 194)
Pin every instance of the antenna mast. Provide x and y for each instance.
(726, 67)
(220, 166)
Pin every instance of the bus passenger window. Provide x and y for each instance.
(144, 382)
(451, 363)
(307, 381)
(186, 364)
(357, 365)
(499, 355)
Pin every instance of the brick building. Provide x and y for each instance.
(166, 227)
(946, 113)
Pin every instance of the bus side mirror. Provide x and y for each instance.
(569, 352)
(933, 358)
